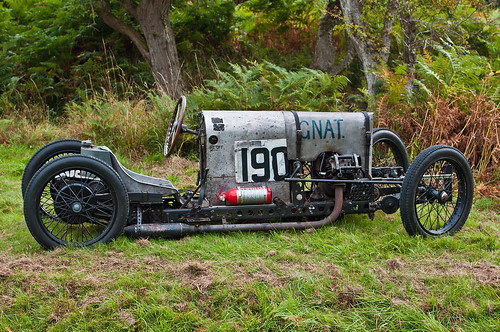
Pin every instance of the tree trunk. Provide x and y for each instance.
(368, 53)
(153, 16)
(156, 43)
(409, 27)
(325, 53)
(356, 30)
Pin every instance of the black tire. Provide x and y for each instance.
(436, 196)
(46, 153)
(388, 150)
(75, 200)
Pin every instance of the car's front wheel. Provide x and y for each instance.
(436, 196)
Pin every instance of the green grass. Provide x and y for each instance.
(355, 275)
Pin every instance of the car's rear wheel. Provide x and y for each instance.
(75, 200)
(388, 150)
(46, 153)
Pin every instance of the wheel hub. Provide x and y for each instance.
(443, 197)
(77, 207)
(72, 201)
(389, 204)
(440, 196)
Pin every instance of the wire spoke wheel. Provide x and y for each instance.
(47, 153)
(389, 160)
(440, 196)
(383, 155)
(437, 192)
(79, 201)
(79, 208)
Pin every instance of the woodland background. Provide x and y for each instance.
(429, 71)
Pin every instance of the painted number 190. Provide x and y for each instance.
(261, 164)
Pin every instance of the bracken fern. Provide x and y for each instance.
(265, 86)
(455, 103)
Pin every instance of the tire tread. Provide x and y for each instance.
(42, 156)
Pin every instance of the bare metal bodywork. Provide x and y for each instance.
(229, 134)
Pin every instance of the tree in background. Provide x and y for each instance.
(60, 51)
(368, 27)
(153, 37)
(42, 50)
(326, 52)
(409, 27)
(427, 25)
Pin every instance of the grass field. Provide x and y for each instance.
(356, 275)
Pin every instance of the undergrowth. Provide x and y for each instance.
(455, 101)
(139, 125)
(265, 86)
(134, 126)
(442, 121)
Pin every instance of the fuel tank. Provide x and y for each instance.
(249, 148)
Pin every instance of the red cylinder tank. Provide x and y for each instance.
(241, 196)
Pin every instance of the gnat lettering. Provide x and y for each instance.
(321, 129)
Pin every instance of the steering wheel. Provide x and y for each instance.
(175, 126)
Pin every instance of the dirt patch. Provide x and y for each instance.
(141, 243)
(6, 301)
(271, 253)
(117, 263)
(181, 307)
(415, 273)
(201, 274)
(348, 297)
(268, 276)
(58, 315)
(255, 271)
(93, 266)
(281, 273)
(127, 318)
(482, 272)
(153, 264)
(395, 264)
(94, 299)
(198, 275)
(99, 272)
(401, 302)
(298, 270)
(4, 271)
(26, 264)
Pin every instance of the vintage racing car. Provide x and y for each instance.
(258, 171)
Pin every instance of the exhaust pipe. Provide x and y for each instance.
(176, 230)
